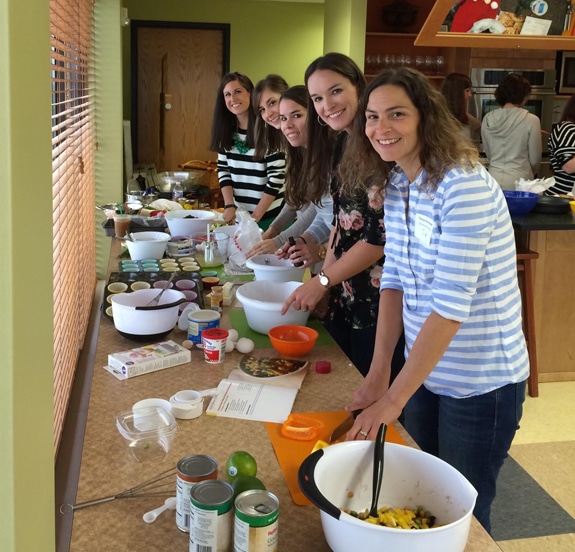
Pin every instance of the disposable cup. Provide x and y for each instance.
(122, 224)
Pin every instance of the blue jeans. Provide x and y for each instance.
(472, 434)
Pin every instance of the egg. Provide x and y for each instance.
(188, 344)
(245, 345)
(233, 335)
(229, 345)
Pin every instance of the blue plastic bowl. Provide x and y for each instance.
(520, 203)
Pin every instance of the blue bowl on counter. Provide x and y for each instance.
(520, 203)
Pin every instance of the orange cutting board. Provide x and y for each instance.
(291, 453)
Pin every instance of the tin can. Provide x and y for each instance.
(256, 522)
(201, 320)
(211, 516)
(189, 471)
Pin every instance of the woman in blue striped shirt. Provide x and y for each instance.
(449, 282)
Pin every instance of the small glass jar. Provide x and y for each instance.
(216, 298)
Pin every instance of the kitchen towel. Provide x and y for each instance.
(291, 453)
(239, 323)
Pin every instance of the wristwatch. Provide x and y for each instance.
(324, 280)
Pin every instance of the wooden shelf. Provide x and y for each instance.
(431, 36)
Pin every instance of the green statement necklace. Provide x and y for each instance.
(239, 144)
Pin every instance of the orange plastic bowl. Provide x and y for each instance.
(291, 340)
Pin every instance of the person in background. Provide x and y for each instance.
(562, 151)
(265, 102)
(511, 136)
(457, 89)
(293, 112)
(449, 280)
(353, 262)
(255, 185)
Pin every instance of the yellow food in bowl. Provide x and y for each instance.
(398, 518)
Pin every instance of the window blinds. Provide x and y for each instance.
(73, 145)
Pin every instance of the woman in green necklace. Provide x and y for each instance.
(255, 185)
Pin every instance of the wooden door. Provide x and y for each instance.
(178, 71)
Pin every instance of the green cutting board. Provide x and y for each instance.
(239, 323)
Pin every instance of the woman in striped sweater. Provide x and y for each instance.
(449, 282)
(257, 185)
(562, 151)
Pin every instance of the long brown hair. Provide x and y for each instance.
(453, 88)
(439, 135)
(224, 122)
(296, 183)
(267, 138)
(569, 110)
(318, 165)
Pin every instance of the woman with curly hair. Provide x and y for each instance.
(257, 185)
(450, 282)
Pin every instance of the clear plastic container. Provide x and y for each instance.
(149, 432)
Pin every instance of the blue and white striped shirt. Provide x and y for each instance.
(452, 251)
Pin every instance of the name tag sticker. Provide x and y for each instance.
(423, 226)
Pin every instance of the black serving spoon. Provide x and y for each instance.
(378, 446)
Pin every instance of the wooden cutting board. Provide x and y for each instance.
(291, 453)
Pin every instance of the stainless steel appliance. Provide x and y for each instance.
(566, 66)
(540, 103)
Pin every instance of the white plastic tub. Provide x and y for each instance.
(269, 267)
(263, 301)
(340, 476)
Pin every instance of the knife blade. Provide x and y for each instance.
(344, 427)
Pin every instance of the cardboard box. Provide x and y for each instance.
(148, 358)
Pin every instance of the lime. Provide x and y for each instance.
(246, 483)
(239, 463)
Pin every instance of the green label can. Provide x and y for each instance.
(190, 470)
(211, 516)
(256, 522)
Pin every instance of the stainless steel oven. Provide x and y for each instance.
(540, 103)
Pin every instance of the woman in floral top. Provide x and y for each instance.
(354, 258)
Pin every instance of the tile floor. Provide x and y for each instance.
(545, 447)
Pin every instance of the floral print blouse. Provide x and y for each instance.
(355, 302)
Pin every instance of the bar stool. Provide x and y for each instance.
(525, 276)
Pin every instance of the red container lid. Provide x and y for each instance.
(215, 333)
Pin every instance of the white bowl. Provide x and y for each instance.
(342, 477)
(263, 301)
(269, 267)
(146, 325)
(147, 245)
(188, 221)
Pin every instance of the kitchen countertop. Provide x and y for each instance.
(107, 467)
(538, 221)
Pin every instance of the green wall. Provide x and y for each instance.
(265, 37)
(289, 36)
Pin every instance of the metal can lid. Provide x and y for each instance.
(204, 315)
(213, 494)
(197, 466)
(256, 507)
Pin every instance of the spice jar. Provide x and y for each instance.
(216, 298)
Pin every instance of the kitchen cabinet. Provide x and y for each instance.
(388, 45)
(553, 295)
(431, 34)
